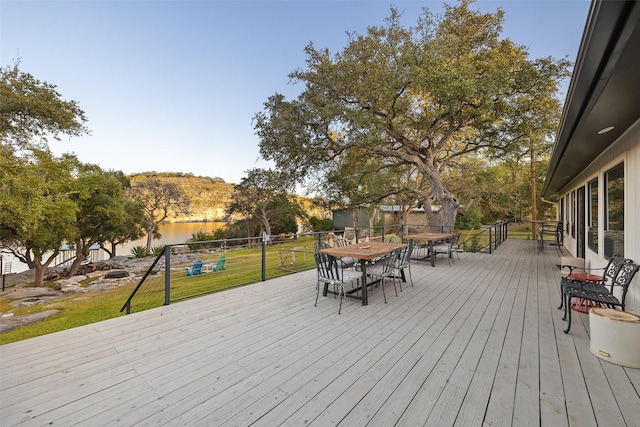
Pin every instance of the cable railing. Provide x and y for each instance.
(251, 260)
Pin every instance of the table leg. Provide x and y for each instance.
(365, 297)
(433, 255)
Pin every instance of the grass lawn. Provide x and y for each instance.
(243, 266)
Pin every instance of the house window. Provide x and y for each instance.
(614, 214)
(593, 216)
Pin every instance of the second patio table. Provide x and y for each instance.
(364, 251)
(431, 238)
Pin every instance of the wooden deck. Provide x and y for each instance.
(476, 344)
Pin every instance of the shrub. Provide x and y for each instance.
(139, 252)
(203, 236)
(392, 238)
(157, 250)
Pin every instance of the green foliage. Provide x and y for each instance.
(105, 213)
(398, 107)
(158, 200)
(262, 196)
(157, 250)
(318, 224)
(470, 219)
(38, 212)
(32, 110)
(392, 238)
(139, 252)
(203, 236)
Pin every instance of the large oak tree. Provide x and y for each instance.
(416, 98)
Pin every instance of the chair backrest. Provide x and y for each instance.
(623, 279)
(197, 267)
(389, 262)
(405, 255)
(221, 261)
(318, 246)
(612, 269)
(327, 266)
(341, 241)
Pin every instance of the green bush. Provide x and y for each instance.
(139, 252)
(157, 250)
(203, 236)
(392, 238)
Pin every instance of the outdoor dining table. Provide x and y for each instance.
(431, 238)
(363, 251)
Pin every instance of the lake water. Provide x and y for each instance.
(171, 233)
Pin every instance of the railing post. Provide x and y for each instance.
(167, 275)
(490, 241)
(265, 239)
(357, 233)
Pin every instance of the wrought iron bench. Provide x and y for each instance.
(602, 293)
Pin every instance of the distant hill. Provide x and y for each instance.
(210, 197)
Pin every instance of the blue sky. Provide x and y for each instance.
(172, 86)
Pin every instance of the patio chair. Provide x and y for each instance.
(347, 262)
(447, 248)
(220, 264)
(318, 246)
(329, 273)
(604, 295)
(195, 269)
(609, 273)
(403, 262)
(383, 269)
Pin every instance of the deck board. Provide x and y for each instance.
(476, 343)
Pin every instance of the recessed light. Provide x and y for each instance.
(605, 130)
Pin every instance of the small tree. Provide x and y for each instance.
(38, 213)
(262, 196)
(104, 211)
(158, 199)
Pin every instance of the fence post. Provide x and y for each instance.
(167, 275)
(490, 241)
(265, 239)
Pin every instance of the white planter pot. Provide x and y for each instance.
(615, 336)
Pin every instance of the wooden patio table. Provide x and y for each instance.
(431, 238)
(364, 251)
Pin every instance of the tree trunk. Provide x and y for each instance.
(534, 196)
(445, 219)
(39, 279)
(150, 237)
(82, 251)
(41, 267)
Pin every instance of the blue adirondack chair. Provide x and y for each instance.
(220, 264)
(195, 269)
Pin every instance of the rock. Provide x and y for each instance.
(13, 322)
(72, 288)
(116, 274)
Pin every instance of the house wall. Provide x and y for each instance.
(626, 149)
